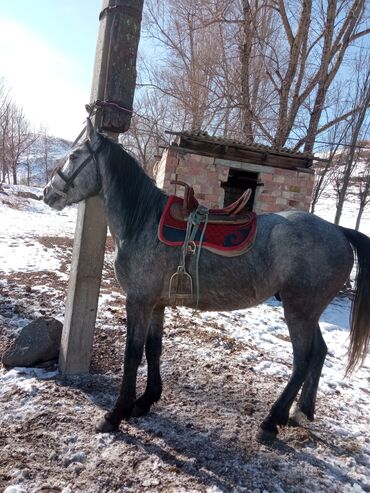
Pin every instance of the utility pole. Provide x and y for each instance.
(114, 80)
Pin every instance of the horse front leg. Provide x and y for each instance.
(138, 319)
(153, 349)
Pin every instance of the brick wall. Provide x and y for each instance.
(283, 189)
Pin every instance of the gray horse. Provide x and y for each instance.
(296, 255)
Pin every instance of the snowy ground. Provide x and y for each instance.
(326, 208)
(221, 373)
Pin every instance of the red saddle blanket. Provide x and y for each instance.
(222, 238)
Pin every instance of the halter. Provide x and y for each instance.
(69, 180)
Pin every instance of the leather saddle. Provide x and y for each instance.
(234, 213)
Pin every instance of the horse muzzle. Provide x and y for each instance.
(54, 198)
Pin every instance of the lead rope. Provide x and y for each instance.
(204, 213)
(189, 248)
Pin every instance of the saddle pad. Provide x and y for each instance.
(224, 239)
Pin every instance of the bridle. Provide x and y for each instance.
(92, 109)
(68, 180)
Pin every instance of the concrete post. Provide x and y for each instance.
(114, 80)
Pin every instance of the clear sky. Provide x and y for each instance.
(47, 50)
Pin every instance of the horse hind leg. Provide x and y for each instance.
(301, 331)
(153, 349)
(307, 399)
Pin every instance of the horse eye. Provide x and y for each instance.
(74, 155)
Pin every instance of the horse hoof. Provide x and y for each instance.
(293, 423)
(141, 408)
(266, 436)
(140, 411)
(105, 426)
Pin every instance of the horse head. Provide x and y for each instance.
(79, 177)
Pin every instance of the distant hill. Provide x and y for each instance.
(39, 161)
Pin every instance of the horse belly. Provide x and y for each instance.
(228, 287)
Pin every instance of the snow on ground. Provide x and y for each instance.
(326, 208)
(21, 221)
(221, 373)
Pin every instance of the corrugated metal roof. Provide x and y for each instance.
(204, 137)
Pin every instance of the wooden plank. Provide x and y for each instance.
(234, 152)
(255, 168)
(308, 171)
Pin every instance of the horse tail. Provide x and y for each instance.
(360, 312)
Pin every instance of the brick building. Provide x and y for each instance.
(220, 170)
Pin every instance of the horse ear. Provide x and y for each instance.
(90, 131)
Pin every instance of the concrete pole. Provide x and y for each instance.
(114, 80)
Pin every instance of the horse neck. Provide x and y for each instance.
(132, 200)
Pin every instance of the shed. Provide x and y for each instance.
(221, 169)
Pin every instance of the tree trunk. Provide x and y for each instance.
(14, 173)
(349, 166)
(341, 200)
(359, 216)
(318, 186)
(245, 55)
(28, 171)
(298, 47)
(46, 157)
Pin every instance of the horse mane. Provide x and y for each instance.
(131, 190)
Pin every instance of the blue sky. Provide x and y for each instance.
(47, 50)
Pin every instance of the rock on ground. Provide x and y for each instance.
(38, 342)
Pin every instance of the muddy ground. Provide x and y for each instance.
(201, 436)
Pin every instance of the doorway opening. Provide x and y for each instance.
(237, 183)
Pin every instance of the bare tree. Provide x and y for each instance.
(19, 139)
(262, 70)
(324, 171)
(192, 74)
(44, 145)
(331, 151)
(305, 54)
(362, 101)
(5, 104)
(4, 97)
(147, 131)
(15, 135)
(364, 188)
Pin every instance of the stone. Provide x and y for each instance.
(37, 343)
(29, 195)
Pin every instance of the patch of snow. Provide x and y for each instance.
(15, 489)
(20, 251)
(326, 207)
